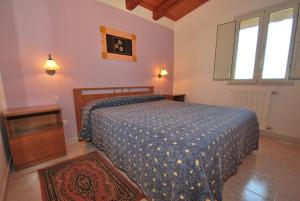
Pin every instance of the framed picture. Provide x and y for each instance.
(117, 45)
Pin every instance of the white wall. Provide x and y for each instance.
(195, 39)
(4, 163)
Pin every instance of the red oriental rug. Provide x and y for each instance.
(86, 178)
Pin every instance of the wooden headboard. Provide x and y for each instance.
(85, 95)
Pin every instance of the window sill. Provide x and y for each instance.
(242, 82)
(264, 82)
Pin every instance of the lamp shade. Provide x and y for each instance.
(162, 72)
(50, 64)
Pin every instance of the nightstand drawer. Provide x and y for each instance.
(38, 154)
(22, 144)
(175, 97)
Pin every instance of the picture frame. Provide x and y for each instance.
(117, 45)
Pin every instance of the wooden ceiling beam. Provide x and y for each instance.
(132, 4)
(164, 8)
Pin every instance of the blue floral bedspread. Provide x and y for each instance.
(174, 151)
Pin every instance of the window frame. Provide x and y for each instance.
(264, 19)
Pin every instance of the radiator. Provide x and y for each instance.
(257, 101)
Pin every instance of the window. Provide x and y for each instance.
(277, 52)
(263, 45)
(264, 48)
(246, 49)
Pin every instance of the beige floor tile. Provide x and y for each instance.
(235, 192)
(288, 189)
(247, 195)
(25, 187)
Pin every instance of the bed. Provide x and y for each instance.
(171, 150)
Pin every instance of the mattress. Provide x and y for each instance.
(172, 150)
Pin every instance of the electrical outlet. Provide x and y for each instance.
(56, 99)
(65, 122)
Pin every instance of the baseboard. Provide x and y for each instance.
(6, 181)
(280, 136)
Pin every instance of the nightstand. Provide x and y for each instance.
(175, 97)
(35, 134)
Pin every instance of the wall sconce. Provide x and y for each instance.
(162, 72)
(51, 66)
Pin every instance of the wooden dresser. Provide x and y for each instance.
(35, 134)
(175, 97)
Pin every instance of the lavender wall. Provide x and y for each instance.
(10, 65)
(69, 29)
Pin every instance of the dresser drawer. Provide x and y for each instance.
(38, 154)
(36, 140)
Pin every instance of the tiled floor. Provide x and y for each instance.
(270, 174)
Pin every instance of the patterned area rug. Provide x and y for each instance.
(86, 178)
